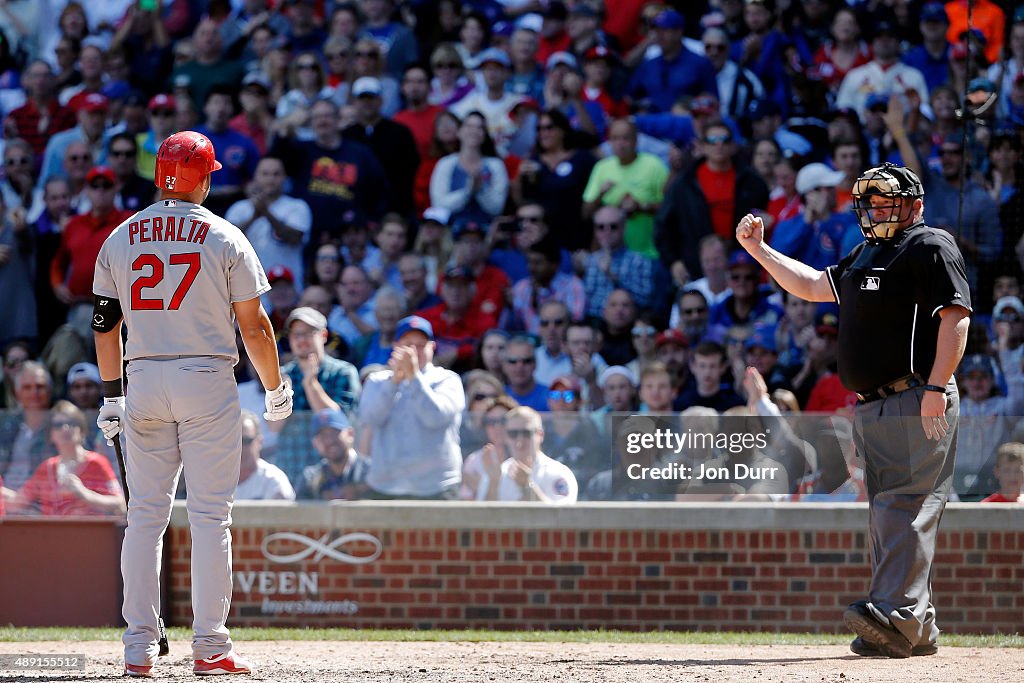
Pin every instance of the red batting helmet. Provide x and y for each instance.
(183, 161)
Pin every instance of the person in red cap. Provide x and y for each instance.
(92, 123)
(569, 436)
(71, 271)
(598, 63)
(162, 110)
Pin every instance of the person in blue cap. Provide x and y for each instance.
(661, 81)
(414, 410)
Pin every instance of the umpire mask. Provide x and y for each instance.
(899, 186)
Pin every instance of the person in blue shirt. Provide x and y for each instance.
(676, 72)
(518, 363)
(932, 57)
(819, 235)
(239, 153)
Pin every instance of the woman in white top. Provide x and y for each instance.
(481, 470)
(472, 183)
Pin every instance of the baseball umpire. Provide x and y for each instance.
(178, 277)
(904, 304)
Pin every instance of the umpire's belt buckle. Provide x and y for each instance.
(900, 385)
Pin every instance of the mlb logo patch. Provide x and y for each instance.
(871, 283)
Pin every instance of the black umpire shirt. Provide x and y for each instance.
(889, 296)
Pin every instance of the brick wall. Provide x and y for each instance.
(692, 568)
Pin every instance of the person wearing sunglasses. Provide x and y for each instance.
(71, 271)
(749, 303)
(481, 470)
(612, 266)
(134, 192)
(75, 482)
(570, 437)
(161, 113)
(709, 198)
(518, 364)
(257, 478)
(819, 235)
(530, 474)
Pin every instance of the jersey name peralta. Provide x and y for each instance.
(176, 268)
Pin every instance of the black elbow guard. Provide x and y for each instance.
(106, 313)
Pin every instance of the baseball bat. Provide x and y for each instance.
(165, 648)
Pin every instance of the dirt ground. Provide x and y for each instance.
(423, 662)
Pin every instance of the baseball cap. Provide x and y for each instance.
(599, 52)
(762, 108)
(116, 90)
(877, 99)
(335, 419)
(84, 371)
(437, 214)
(466, 227)
(256, 78)
(503, 29)
(826, 321)
(908, 180)
(704, 104)
(310, 316)
(672, 336)
(104, 172)
(161, 102)
(934, 11)
(493, 55)
(669, 19)
(977, 363)
(741, 258)
(367, 85)
(763, 336)
(813, 176)
(414, 323)
(94, 101)
(280, 272)
(620, 370)
(885, 27)
(567, 381)
(560, 58)
(459, 273)
(1006, 303)
(981, 84)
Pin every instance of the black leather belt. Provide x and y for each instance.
(902, 384)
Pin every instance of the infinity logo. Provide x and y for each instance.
(319, 548)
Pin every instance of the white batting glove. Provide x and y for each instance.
(110, 419)
(279, 402)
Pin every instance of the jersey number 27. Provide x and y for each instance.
(156, 275)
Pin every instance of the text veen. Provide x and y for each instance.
(168, 229)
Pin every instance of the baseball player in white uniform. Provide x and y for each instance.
(178, 277)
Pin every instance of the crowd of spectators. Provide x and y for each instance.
(490, 225)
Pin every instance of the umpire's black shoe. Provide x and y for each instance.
(886, 638)
(861, 647)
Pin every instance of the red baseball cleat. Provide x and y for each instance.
(138, 671)
(226, 663)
